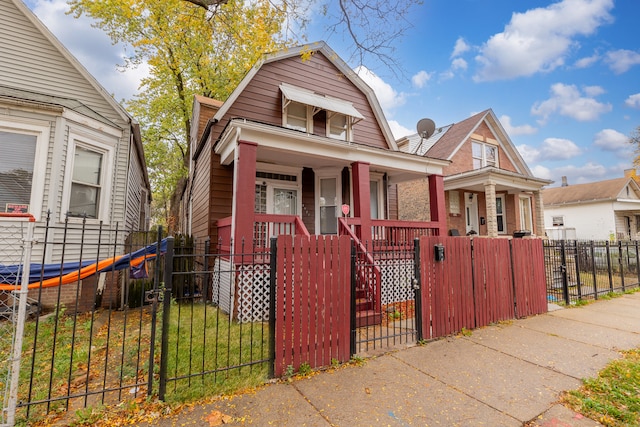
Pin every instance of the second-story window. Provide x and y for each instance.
(296, 117)
(338, 126)
(484, 155)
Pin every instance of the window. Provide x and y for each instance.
(88, 175)
(526, 221)
(376, 195)
(500, 214)
(277, 192)
(23, 161)
(337, 126)
(484, 155)
(329, 205)
(86, 183)
(296, 117)
(16, 170)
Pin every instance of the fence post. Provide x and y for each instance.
(20, 320)
(577, 264)
(352, 306)
(154, 314)
(513, 281)
(609, 266)
(166, 314)
(563, 269)
(272, 305)
(417, 289)
(593, 268)
(621, 263)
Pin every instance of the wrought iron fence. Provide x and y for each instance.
(586, 270)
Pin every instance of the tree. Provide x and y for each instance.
(205, 47)
(189, 51)
(634, 139)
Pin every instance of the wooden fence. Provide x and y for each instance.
(480, 281)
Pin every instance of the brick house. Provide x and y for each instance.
(489, 189)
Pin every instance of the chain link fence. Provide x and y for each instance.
(15, 252)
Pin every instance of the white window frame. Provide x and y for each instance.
(327, 174)
(309, 119)
(101, 144)
(503, 214)
(483, 158)
(348, 129)
(526, 222)
(41, 131)
(377, 177)
(271, 184)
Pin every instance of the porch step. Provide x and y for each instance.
(368, 318)
(363, 304)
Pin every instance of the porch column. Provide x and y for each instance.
(492, 213)
(362, 198)
(437, 206)
(539, 214)
(244, 195)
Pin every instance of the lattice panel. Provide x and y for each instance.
(253, 293)
(397, 277)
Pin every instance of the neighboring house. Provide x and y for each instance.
(603, 210)
(489, 189)
(68, 148)
(301, 138)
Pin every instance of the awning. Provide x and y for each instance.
(303, 96)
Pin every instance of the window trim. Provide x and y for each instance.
(530, 216)
(276, 183)
(93, 142)
(483, 159)
(503, 214)
(378, 177)
(41, 130)
(348, 128)
(327, 173)
(285, 116)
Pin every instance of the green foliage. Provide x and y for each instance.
(304, 370)
(189, 51)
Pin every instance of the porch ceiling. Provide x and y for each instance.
(288, 147)
(508, 181)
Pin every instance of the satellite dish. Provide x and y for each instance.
(426, 127)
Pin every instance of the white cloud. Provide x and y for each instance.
(388, 97)
(398, 130)
(541, 172)
(421, 78)
(91, 46)
(612, 140)
(458, 64)
(587, 61)
(633, 101)
(621, 60)
(593, 90)
(528, 153)
(538, 40)
(513, 130)
(588, 172)
(567, 100)
(460, 47)
(550, 150)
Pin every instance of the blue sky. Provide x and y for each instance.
(563, 77)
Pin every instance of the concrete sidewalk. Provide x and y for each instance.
(504, 375)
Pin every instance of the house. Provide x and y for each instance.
(489, 189)
(69, 150)
(301, 146)
(603, 210)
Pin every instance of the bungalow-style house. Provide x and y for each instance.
(69, 150)
(603, 210)
(489, 189)
(301, 146)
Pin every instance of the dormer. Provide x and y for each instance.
(302, 107)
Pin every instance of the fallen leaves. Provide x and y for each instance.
(217, 418)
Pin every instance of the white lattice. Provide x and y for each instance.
(253, 293)
(242, 290)
(397, 277)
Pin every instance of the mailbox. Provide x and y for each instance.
(439, 252)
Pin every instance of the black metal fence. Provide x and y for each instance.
(586, 270)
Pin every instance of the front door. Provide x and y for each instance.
(471, 212)
(328, 191)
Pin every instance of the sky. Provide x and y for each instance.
(562, 76)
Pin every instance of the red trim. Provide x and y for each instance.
(245, 169)
(362, 198)
(30, 217)
(436, 203)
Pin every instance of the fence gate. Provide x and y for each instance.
(386, 296)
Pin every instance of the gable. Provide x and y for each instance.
(33, 59)
(259, 97)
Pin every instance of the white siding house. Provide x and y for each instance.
(68, 149)
(604, 210)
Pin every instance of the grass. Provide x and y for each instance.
(613, 398)
(76, 354)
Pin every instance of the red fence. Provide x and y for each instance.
(480, 281)
(313, 296)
